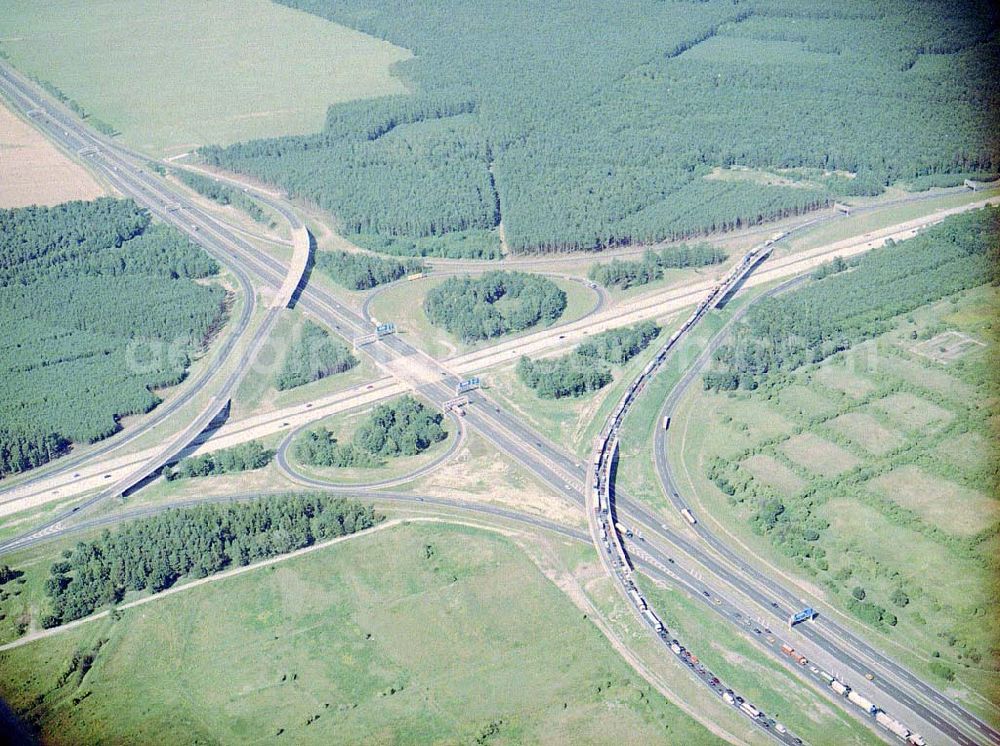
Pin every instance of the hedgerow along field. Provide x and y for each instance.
(615, 142)
(172, 75)
(98, 307)
(404, 636)
(872, 475)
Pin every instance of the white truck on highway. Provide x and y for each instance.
(750, 710)
(688, 516)
(653, 619)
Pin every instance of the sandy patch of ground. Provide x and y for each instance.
(479, 474)
(34, 172)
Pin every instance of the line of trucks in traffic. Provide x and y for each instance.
(718, 291)
(604, 452)
(872, 710)
(691, 661)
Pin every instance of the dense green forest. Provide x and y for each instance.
(97, 309)
(495, 303)
(588, 367)
(569, 375)
(222, 193)
(363, 271)
(313, 355)
(617, 137)
(403, 427)
(624, 274)
(153, 553)
(847, 306)
(242, 457)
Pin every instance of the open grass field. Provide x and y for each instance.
(175, 74)
(418, 634)
(33, 171)
(955, 509)
(404, 305)
(875, 451)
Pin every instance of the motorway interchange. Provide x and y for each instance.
(695, 559)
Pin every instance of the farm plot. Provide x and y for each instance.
(817, 455)
(172, 75)
(34, 172)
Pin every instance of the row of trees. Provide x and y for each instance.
(224, 194)
(404, 427)
(625, 274)
(313, 355)
(470, 244)
(602, 146)
(618, 346)
(587, 368)
(243, 457)
(556, 378)
(97, 309)
(470, 308)
(153, 553)
(357, 271)
(834, 313)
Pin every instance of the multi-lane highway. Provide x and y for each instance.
(549, 462)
